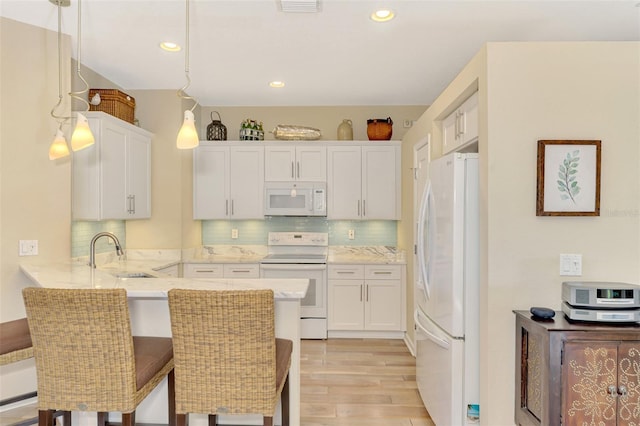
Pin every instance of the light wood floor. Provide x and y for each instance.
(359, 382)
(349, 382)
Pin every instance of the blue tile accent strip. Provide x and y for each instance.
(254, 232)
(83, 232)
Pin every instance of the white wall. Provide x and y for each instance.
(553, 91)
(35, 199)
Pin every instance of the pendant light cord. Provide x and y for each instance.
(61, 119)
(77, 95)
(181, 92)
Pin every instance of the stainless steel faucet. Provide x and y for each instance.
(92, 246)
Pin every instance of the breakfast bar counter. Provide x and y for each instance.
(147, 291)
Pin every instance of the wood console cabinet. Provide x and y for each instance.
(570, 373)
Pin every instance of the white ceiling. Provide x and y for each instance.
(337, 56)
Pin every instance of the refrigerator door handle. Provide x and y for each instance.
(435, 339)
(424, 257)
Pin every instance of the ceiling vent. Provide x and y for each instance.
(300, 6)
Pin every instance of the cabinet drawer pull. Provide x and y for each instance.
(203, 270)
(246, 271)
(382, 272)
(346, 272)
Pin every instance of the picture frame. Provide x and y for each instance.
(568, 181)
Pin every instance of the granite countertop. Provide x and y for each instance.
(366, 254)
(114, 274)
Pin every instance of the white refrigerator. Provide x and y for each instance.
(447, 291)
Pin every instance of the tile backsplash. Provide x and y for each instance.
(250, 232)
(83, 232)
(254, 232)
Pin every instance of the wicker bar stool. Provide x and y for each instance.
(15, 341)
(86, 357)
(227, 358)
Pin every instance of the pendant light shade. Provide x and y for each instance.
(58, 148)
(82, 136)
(188, 136)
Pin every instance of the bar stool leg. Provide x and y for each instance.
(45, 417)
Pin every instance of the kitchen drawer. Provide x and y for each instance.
(242, 270)
(203, 270)
(346, 272)
(383, 272)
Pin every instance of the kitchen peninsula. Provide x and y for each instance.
(147, 291)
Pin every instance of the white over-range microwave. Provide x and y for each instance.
(295, 199)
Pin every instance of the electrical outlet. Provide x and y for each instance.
(352, 234)
(28, 248)
(407, 123)
(234, 233)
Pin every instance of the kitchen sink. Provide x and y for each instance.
(135, 275)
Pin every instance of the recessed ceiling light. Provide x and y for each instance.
(383, 15)
(277, 84)
(170, 46)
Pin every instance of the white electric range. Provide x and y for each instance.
(302, 255)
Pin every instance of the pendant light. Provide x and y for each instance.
(59, 148)
(187, 136)
(82, 136)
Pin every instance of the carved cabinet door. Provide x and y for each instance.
(629, 384)
(600, 384)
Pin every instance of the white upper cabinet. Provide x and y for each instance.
(228, 181)
(112, 178)
(364, 182)
(287, 163)
(460, 128)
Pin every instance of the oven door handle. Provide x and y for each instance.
(293, 267)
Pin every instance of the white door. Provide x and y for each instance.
(311, 163)
(246, 182)
(439, 372)
(344, 182)
(380, 182)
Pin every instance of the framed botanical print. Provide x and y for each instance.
(568, 178)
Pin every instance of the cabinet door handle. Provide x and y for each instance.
(133, 204)
(361, 292)
(298, 169)
(367, 298)
(612, 391)
(232, 209)
(622, 391)
(364, 208)
(292, 171)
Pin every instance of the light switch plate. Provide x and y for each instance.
(28, 248)
(571, 265)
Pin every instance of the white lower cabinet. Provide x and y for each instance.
(366, 298)
(221, 270)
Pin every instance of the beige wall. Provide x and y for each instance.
(34, 192)
(532, 91)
